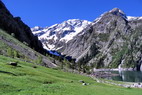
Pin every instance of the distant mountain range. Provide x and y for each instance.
(111, 40)
(53, 37)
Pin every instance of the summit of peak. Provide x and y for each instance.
(116, 10)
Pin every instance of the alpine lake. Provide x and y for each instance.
(126, 76)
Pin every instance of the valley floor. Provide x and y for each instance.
(30, 79)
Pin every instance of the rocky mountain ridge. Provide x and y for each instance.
(110, 41)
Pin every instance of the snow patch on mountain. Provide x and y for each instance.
(60, 33)
(36, 28)
(130, 18)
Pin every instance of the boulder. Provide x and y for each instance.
(84, 83)
(34, 66)
(13, 63)
(81, 81)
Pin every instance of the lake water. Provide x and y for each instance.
(127, 76)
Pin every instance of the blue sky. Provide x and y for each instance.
(48, 12)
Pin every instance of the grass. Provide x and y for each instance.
(26, 80)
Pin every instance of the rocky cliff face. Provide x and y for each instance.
(110, 41)
(15, 26)
(99, 34)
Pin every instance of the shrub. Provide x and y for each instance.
(10, 52)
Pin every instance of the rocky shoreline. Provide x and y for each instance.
(104, 74)
(123, 84)
(114, 69)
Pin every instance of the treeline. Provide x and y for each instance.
(66, 62)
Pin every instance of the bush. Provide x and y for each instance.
(39, 60)
(12, 34)
(16, 54)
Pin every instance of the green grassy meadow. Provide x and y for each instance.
(27, 80)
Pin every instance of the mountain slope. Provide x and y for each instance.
(112, 40)
(13, 48)
(53, 37)
(17, 41)
(14, 25)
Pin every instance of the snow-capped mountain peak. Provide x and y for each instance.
(114, 11)
(130, 18)
(52, 37)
